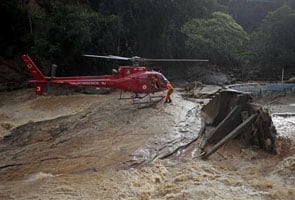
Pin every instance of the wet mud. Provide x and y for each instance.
(97, 147)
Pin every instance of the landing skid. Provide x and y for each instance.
(146, 99)
(149, 101)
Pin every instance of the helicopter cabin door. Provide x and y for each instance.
(143, 84)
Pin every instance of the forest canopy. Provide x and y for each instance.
(230, 33)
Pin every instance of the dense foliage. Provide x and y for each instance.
(15, 34)
(275, 41)
(218, 37)
(230, 33)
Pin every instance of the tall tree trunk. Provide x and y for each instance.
(30, 22)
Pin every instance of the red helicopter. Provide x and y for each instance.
(136, 79)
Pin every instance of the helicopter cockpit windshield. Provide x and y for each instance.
(163, 78)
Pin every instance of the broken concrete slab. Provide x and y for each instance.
(230, 114)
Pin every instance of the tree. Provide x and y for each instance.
(63, 34)
(15, 35)
(218, 38)
(152, 27)
(66, 32)
(274, 42)
(249, 14)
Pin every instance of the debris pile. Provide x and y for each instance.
(231, 114)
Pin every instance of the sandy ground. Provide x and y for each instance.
(97, 147)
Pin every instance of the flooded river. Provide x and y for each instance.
(109, 149)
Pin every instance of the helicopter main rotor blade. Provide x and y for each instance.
(136, 59)
(173, 60)
(107, 57)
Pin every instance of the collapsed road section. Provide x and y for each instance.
(219, 115)
(213, 117)
(231, 114)
(245, 111)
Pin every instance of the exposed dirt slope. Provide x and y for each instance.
(81, 132)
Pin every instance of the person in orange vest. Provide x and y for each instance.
(154, 83)
(169, 92)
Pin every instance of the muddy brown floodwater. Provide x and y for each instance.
(97, 147)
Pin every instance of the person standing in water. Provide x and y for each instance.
(170, 90)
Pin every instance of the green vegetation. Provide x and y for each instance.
(230, 33)
(274, 40)
(15, 34)
(218, 37)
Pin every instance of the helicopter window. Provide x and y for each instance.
(144, 76)
(162, 78)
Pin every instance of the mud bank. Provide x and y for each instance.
(112, 150)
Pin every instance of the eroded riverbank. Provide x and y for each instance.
(89, 155)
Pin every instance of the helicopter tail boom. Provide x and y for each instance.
(39, 79)
(32, 67)
(40, 88)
